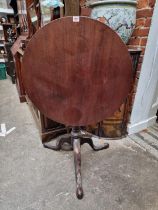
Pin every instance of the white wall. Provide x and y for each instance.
(147, 94)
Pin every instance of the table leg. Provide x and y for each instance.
(77, 163)
(61, 142)
(89, 141)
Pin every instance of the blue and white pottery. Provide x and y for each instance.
(120, 15)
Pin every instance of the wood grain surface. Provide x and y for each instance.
(77, 73)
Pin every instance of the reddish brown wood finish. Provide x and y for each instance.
(72, 7)
(17, 54)
(77, 73)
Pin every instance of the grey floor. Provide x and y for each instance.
(124, 177)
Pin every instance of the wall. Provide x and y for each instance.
(146, 100)
(140, 34)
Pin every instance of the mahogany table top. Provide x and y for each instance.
(77, 71)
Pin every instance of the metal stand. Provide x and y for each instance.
(73, 141)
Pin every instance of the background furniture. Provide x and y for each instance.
(7, 23)
(10, 62)
(10, 35)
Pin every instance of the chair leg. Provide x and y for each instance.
(77, 163)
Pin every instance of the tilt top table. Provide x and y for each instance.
(77, 71)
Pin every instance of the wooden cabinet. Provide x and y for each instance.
(8, 35)
(17, 53)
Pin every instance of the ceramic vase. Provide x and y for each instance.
(120, 15)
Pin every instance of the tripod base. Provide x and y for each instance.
(73, 142)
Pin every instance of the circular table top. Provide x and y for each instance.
(77, 71)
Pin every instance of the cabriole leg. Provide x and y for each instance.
(77, 163)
